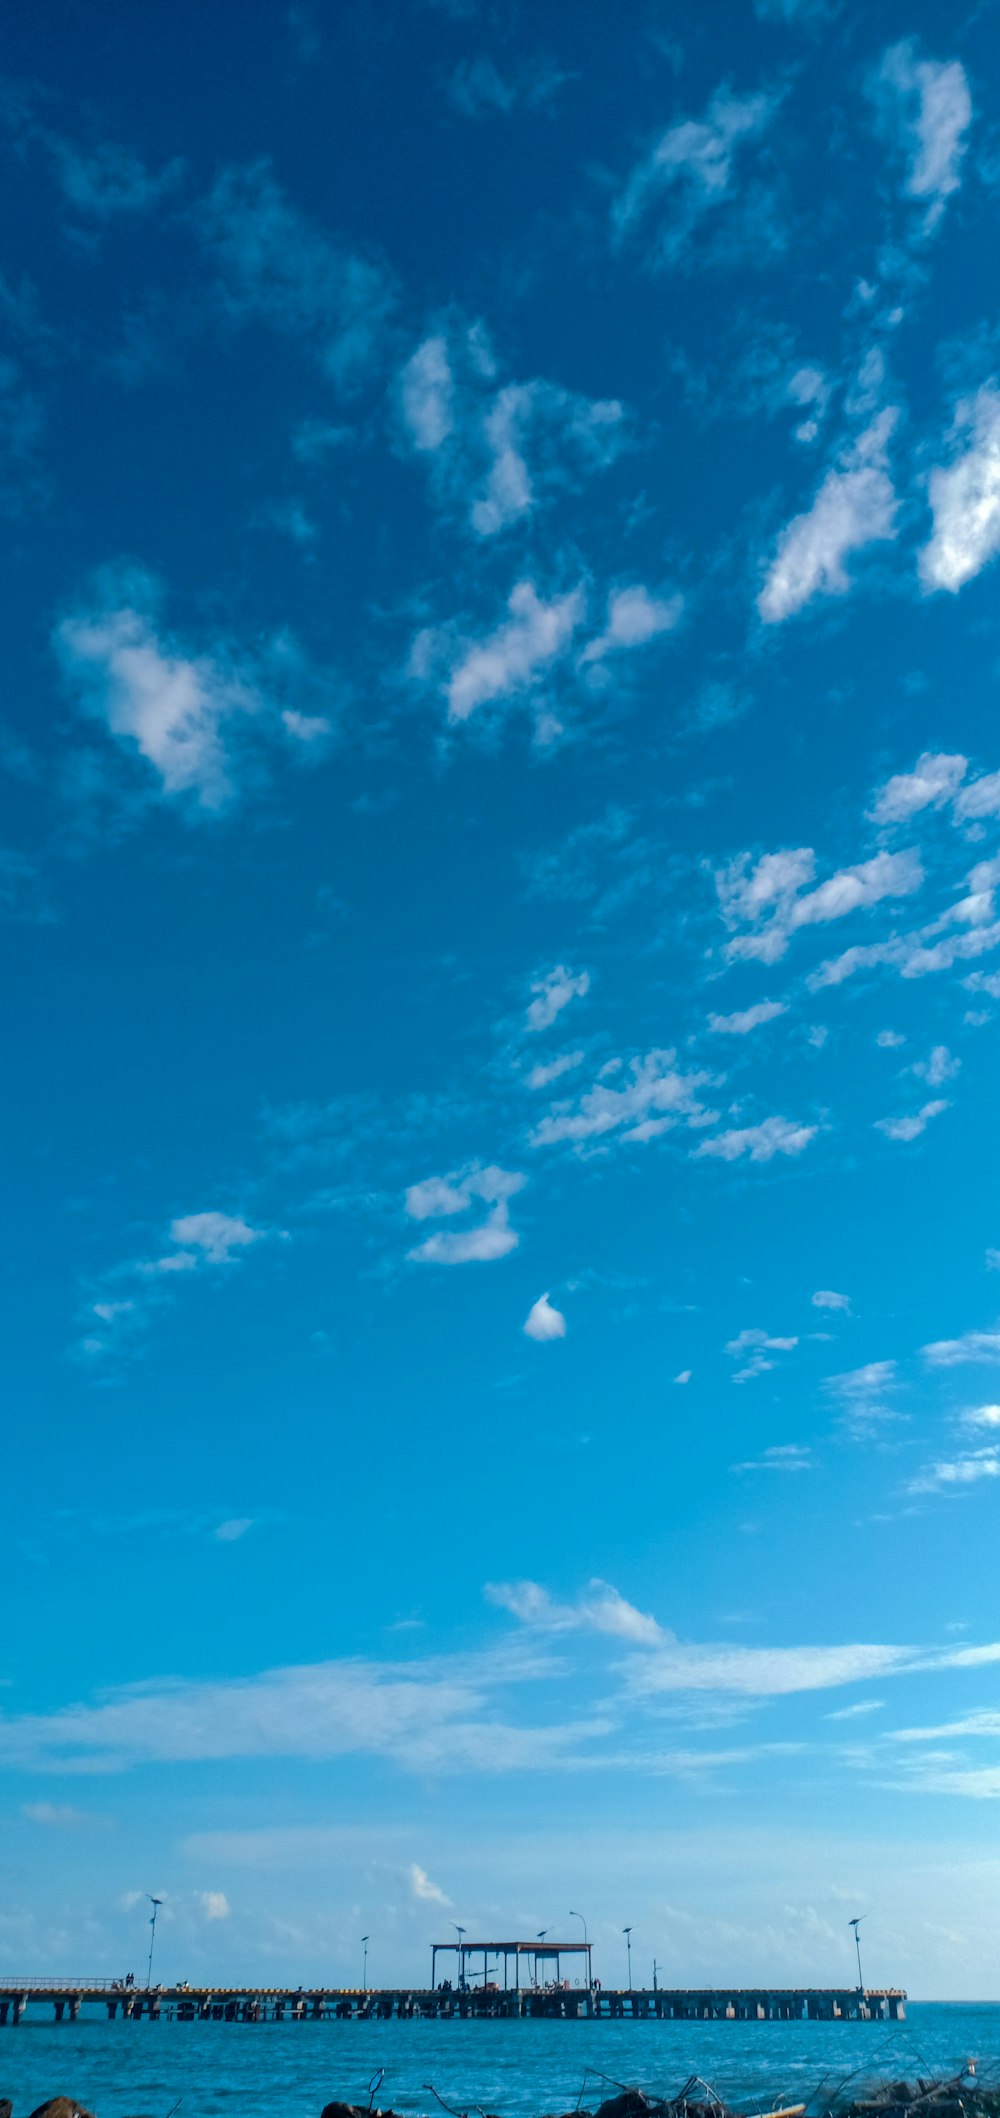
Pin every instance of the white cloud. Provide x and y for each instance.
(543, 1075)
(862, 1387)
(433, 1715)
(653, 1096)
(854, 1713)
(964, 1470)
(916, 1122)
(965, 498)
(426, 1892)
(748, 1018)
(214, 1904)
(784, 1456)
(972, 1346)
(934, 781)
(543, 1321)
(939, 1066)
(692, 169)
(216, 1235)
(684, 1376)
(756, 1344)
(61, 1816)
(771, 903)
(275, 266)
(773, 1136)
(855, 506)
(983, 1416)
(825, 1298)
(513, 658)
(494, 454)
(230, 1531)
(438, 1197)
(602, 1610)
(175, 709)
(927, 104)
(427, 391)
(553, 992)
(634, 617)
(889, 1040)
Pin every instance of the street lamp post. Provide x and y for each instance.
(627, 1931)
(855, 1923)
(365, 1939)
(586, 1940)
(654, 1974)
(460, 1931)
(156, 1902)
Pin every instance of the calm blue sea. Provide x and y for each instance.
(516, 2069)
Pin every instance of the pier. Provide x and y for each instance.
(73, 1999)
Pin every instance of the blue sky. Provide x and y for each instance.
(499, 863)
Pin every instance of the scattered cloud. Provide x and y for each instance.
(926, 107)
(690, 173)
(964, 1470)
(214, 1904)
(634, 618)
(107, 181)
(965, 497)
(972, 1346)
(770, 902)
(425, 1892)
(854, 507)
(235, 1527)
(61, 1816)
(752, 1347)
(496, 451)
(544, 1322)
(916, 1122)
(552, 992)
(218, 1236)
(277, 268)
(509, 662)
(748, 1018)
(637, 1101)
(198, 719)
(478, 89)
(773, 1136)
(439, 1197)
(602, 1610)
(543, 1075)
(982, 1416)
(825, 1298)
(940, 1065)
(784, 1456)
(934, 781)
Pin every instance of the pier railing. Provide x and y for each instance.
(68, 1997)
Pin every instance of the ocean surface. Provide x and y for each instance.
(516, 2069)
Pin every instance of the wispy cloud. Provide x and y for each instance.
(636, 1101)
(512, 661)
(496, 451)
(827, 1298)
(437, 1198)
(690, 173)
(772, 1136)
(769, 902)
(275, 266)
(965, 497)
(192, 716)
(478, 89)
(552, 992)
(910, 1126)
(747, 1019)
(854, 507)
(957, 1472)
(601, 1610)
(972, 1346)
(751, 1347)
(926, 108)
(933, 782)
(783, 1456)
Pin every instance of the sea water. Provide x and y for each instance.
(517, 2069)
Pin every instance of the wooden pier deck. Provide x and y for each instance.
(71, 1998)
